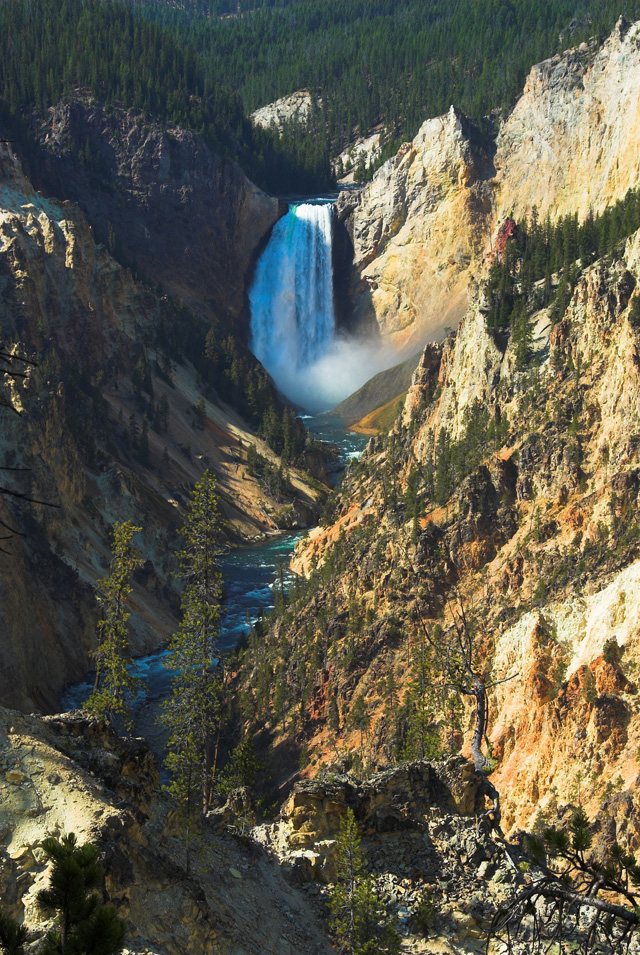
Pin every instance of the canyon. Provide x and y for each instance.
(80, 417)
(536, 543)
(122, 244)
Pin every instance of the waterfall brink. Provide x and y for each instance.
(292, 316)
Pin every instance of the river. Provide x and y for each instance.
(249, 574)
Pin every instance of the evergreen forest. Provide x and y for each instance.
(206, 64)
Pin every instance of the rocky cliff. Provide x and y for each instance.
(189, 221)
(296, 108)
(253, 889)
(418, 230)
(528, 525)
(424, 225)
(89, 326)
(73, 775)
(571, 144)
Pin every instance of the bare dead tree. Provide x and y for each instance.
(456, 657)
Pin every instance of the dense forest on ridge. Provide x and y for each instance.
(206, 64)
(395, 63)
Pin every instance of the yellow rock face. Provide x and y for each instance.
(422, 228)
(418, 232)
(572, 142)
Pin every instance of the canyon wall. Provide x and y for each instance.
(572, 141)
(418, 230)
(75, 424)
(423, 228)
(188, 220)
(536, 540)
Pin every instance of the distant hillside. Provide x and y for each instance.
(378, 391)
(381, 419)
(474, 55)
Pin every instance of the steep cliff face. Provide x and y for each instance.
(572, 142)
(418, 230)
(71, 308)
(295, 107)
(189, 221)
(528, 485)
(422, 229)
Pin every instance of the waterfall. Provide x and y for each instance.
(293, 328)
(292, 316)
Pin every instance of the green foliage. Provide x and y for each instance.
(421, 738)
(359, 717)
(242, 769)
(193, 65)
(12, 936)
(455, 460)
(115, 686)
(200, 413)
(144, 453)
(425, 912)
(122, 59)
(85, 926)
(535, 251)
(273, 477)
(192, 712)
(590, 904)
(359, 921)
(589, 691)
(475, 55)
(239, 379)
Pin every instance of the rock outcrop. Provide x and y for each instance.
(572, 141)
(189, 221)
(427, 854)
(71, 774)
(422, 230)
(295, 107)
(418, 231)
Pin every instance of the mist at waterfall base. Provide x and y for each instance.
(293, 326)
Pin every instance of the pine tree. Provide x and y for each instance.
(359, 717)
(201, 413)
(243, 767)
(359, 920)
(115, 686)
(192, 712)
(422, 738)
(163, 412)
(12, 936)
(280, 699)
(333, 715)
(589, 903)
(85, 926)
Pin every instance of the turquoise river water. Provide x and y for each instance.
(249, 574)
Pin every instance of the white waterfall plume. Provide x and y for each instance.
(293, 329)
